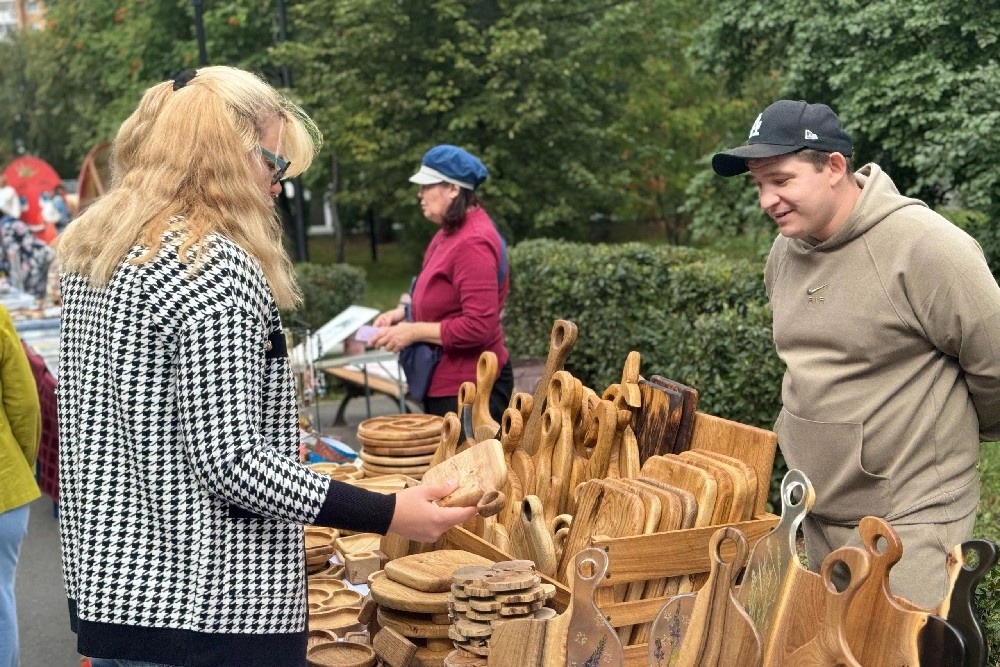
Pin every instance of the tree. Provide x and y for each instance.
(915, 83)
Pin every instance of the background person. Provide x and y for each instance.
(459, 295)
(888, 320)
(182, 497)
(20, 430)
(10, 202)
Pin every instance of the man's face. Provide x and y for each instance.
(800, 199)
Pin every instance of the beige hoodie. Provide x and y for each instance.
(890, 331)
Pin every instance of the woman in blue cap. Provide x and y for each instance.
(458, 297)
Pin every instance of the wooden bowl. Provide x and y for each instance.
(336, 619)
(317, 637)
(341, 654)
(336, 599)
(318, 595)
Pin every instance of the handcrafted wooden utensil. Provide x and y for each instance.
(393, 649)
(775, 553)
(561, 342)
(431, 572)
(657, 424)
(630, 380)
(740, 502)
(549, 436)
(394, 595)
(522, 402)
(690, 396)
(701, 484)
(718, 631)
(400, 427)
(591, 639)
(602, 509)
(939, 644)
(879, 630)
(468, 428)
(749, 476)
(811, 618)
(979, 557)
(628, 454)
(486, 374)
(480, 472)
(563, 395)
(607, 424)
(540, 549)
(723, 512)
(517, 643)
(341, 654)
(466, 396)
(451, 432)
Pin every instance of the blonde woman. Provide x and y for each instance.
(182, 499)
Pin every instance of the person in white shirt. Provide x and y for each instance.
(10, 204)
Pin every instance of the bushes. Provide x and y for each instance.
(327, 289)
(695, 316)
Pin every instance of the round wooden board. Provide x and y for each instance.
(411, 625)
(390, 594)
(396, 461)
(408, 450)
(395, 470)
(401, 427)
(400, 443)
(432, 572)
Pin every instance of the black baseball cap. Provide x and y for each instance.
(785, 127)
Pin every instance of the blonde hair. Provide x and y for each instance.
(188, 159)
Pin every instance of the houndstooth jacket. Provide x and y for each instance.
(182, 498)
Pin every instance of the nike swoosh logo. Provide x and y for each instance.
(812, 290)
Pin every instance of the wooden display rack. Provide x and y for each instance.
(659, 555)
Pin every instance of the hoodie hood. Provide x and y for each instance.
(879, 199)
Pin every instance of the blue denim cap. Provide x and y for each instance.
(450, 164)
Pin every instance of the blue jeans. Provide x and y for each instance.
(101, 662)
(13, 528)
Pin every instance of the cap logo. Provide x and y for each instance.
(810, 135)
(755, 130)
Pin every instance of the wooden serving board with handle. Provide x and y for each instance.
(719, 632)
(591, 639)
(698, 482)
(602, 509)
(431, 572)
(809, 628)
(879, 630)
(487, 370)
(979, 557)
(451, 434)
(480, 471)
(561, 342)
(775, 554)
(690, 397)
(746, 471)
(657, 424)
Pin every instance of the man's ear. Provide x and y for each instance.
(838, 165)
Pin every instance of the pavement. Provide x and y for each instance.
(43, 618)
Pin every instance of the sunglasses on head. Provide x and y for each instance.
(278, 165)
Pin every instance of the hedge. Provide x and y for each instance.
(327, 289)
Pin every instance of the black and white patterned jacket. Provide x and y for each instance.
(181, 495)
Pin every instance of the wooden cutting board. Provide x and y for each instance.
(630, 380)
(487, 370)
(591, 639)
(741, 506)
(561, 342)
(431, 572)
(607, 424)
(517, 643)
(879, 630)
(481, 473)
(690, 399)
(698, 482)
(657, 424)
(719, 632)
(809, 626)
(962, 611)
(725, 488)
(451, 432)
(564, 397)
(602, 509)
(391, 594)
(749, 477)
(775, 553)
(548, 438)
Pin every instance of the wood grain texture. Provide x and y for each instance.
(725, 488)
(775, 553)
(518, 643)
(657, 424)
(487, 369)
(431, 572)
(393, 649)
(591, 640)
(393, 595)
(690, 399)
(746, 471)
(698, 482)
(479, 470)
(561, 341)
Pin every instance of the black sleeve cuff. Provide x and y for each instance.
(360, 510)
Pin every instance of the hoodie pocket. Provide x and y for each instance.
(829, 453)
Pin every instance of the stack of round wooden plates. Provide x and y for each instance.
(399, 444)
(319, 547)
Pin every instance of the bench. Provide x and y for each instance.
(356, 384)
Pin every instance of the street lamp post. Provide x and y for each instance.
(301, 248)
(199, 29)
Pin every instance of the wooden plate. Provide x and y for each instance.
(396, 461)
(395, 470)
(401, 443)
(393, 595)
(431, 572)
(341, 654)
(401, 427)
(408, 450)
(412, 625)
(336, 619)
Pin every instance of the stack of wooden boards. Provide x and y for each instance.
(398, 444)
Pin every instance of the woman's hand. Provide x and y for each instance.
(394, 338)
(418, 517)
(390, 317)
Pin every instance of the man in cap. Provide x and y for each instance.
(888, 320)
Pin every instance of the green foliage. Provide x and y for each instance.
(988, 528)
(327, 289)
(914, 83)
(696, 316)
